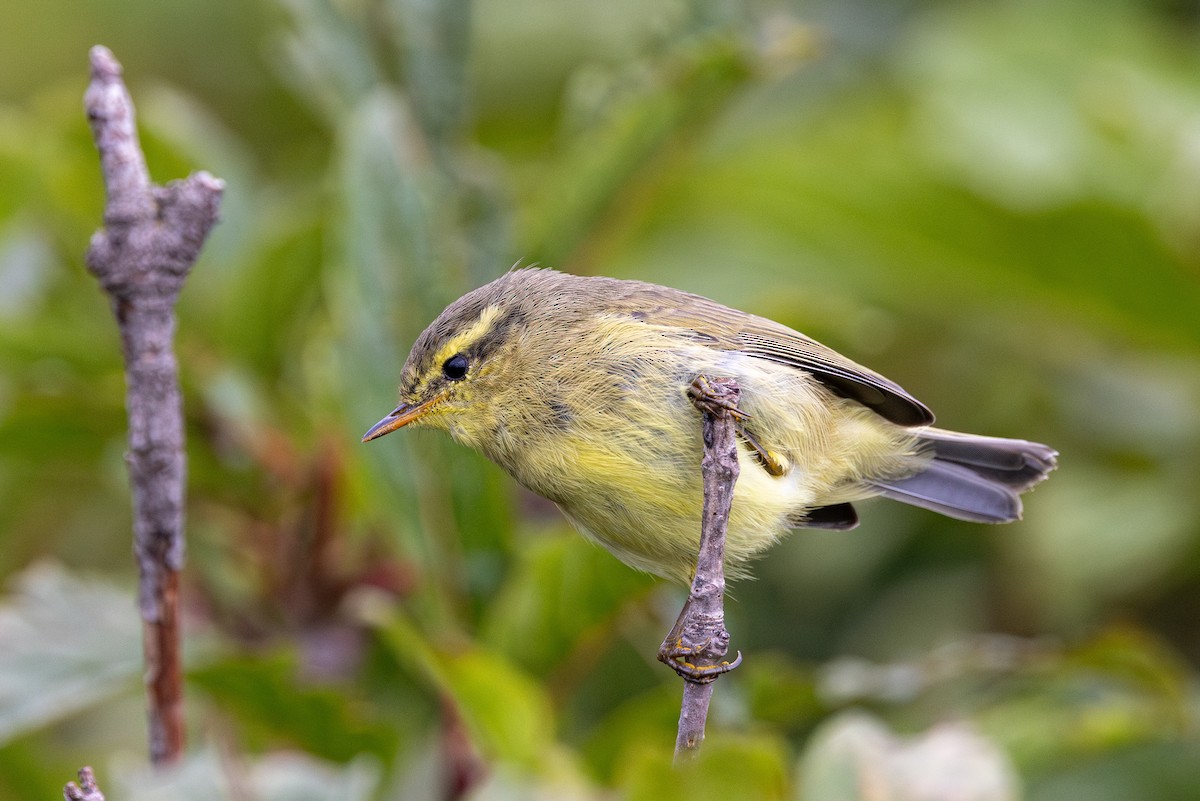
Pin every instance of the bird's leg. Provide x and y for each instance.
(696, 646)
(767, 459)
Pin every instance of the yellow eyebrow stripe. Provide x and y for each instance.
(470, 336)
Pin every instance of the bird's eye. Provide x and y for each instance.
(455, 368)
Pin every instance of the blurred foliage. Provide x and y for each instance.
(996, 204)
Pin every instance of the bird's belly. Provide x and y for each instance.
(667, 544)
(644, 503)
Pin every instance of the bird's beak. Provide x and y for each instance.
(401, 416)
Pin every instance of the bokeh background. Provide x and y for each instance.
(996, 204)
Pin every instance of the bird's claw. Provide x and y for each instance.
(695, 647)
(714, 396)
(673, 657)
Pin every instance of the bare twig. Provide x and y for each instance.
(696, 646)
(86, 790)
(150, 240)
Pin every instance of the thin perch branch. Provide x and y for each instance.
(697, 644)
(150, 240)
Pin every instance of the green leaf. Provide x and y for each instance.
(508, 715)
(270, 699)
(566, 594)
(626, 150)
(329, 62)
(209, 776)
(1164, 771)
(1119, 691)
(729, 766)
(780, 691)
(69, 642)
(645, 723)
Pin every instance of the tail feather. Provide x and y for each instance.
(973, 478)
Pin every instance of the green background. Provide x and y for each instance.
(996, 204)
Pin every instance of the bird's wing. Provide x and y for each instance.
(728, 329)
(840, 375)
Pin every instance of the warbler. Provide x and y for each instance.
(578, 388)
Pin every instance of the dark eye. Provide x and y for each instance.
(455, 368)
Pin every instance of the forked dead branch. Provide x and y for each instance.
(150, 240)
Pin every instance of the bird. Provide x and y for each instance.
(577, 386)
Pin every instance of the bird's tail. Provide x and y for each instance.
(973, 478)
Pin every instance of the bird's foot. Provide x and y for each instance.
(696, 647)
(675, 656)
(713, 395)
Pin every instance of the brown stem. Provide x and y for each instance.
(698, 642)
(150, 240)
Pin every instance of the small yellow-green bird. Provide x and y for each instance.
(578, 388)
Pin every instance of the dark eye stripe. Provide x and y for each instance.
(455, 368)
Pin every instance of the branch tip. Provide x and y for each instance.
(206, 180)
(105, 66)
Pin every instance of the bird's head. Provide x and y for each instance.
(466, 361)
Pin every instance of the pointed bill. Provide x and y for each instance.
(401, 416)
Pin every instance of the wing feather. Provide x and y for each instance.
(838, 374)
(728, 329)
